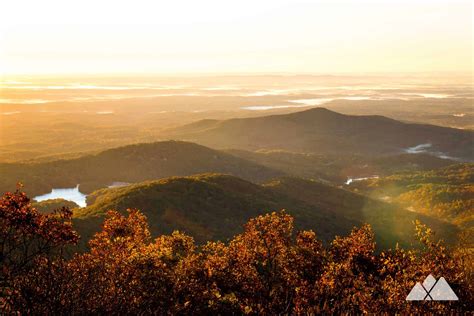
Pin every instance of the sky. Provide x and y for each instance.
(222, 36)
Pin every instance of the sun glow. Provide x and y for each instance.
(41, 37)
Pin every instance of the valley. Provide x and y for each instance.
(319, 165)
(73, 116)
(133, 163)
(331, 154)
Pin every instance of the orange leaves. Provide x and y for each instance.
(25, 233)
(28, 241)
(268, 269)
(360, 243)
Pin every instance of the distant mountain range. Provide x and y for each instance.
(320, 130)
(215, 206)
(252, 177)
(317, 143)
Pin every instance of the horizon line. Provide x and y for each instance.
(230, 73)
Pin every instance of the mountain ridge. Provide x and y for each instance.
(325, 131)
(132, 163)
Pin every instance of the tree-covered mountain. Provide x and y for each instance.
(320, 130)
(446, 193)
(134, 163)
(214, 207)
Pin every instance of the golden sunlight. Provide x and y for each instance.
(50, 37)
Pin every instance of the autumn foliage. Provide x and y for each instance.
(268, 269)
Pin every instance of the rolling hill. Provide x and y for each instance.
(446, 193)
(51, 205)
(320, 130)
(215, 206)
(133, 163)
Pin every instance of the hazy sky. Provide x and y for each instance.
(222, 36)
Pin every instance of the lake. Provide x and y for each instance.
(69, 194)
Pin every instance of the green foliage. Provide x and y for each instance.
(446, 193)
(215, 206)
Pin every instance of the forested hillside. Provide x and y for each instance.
(132, 163)
(446, 193)
(214, 207)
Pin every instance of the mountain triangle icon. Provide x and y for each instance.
(432, 290)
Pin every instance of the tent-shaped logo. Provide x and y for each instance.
(432, 290)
